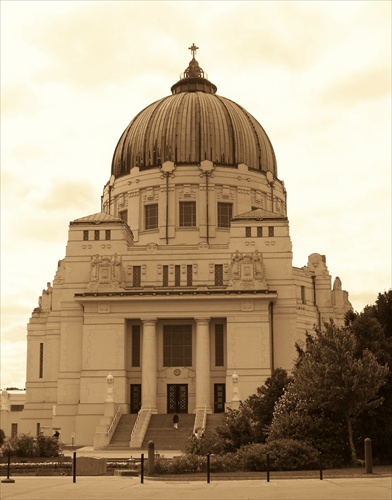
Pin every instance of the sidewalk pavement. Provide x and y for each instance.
(120, 487)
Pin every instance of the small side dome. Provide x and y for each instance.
(192, 125)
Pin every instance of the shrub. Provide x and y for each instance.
(180, 465)
(24, 445)
(252, 457)
(2, 437)
(209, 443)
(224, 463)
(290, 454)
(47, 446)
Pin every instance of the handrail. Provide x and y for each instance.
(114, 422)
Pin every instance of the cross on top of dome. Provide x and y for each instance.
(193, 49)
(193, 70)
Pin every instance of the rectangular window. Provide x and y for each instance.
(225, 211)
(38, 429)
(151, 216)
(108, 234)
(41, 360)
(260, 232)
(302, 294)
(189, 275)
(248, 232)
(135, 345)
(219, 348)
(137, 276)
(16, 407)
(219, 274)
(177, 275)
(85, 235)
(14, 430)
(96, 234)
(123, 215)
(187, 214)
(177, 345)
(270, 231)
(165, 275)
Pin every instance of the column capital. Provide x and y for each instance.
(145, 320)
(202, 319)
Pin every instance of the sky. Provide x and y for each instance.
(315, 74)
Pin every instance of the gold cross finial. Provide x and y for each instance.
(193, 49)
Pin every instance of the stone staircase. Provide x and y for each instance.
(214, 420)
(163, 434)
(122, 434)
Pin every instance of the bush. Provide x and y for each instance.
(290, 454)
(209, 443)
(47, 446)
(180, 465)
(24, 445)
(2, 437)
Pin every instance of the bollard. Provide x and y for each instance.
(321, 467)
(151, 458)
(74, 466)
(268, 468)
(208, 467)
(368, 456)
(8, 479)
(142, 468)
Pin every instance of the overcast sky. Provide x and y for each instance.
(315, 74)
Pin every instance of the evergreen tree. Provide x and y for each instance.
(333, 379)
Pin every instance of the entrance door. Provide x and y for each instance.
(177, 398)
(219, 398)
(136, 398)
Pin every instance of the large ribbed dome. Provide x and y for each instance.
(191, 125)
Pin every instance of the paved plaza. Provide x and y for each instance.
(130, 488)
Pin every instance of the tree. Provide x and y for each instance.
(261, 405)
(249, 424)
(372, 330)
(331, 377)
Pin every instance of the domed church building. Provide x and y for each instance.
(180, 295)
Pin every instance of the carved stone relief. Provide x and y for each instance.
(247, 271)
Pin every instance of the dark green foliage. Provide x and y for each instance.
(250, 423)
(373, 331)
(2, 437)
(24, 445)
(332, 380)
(209, 443)
(47, 446)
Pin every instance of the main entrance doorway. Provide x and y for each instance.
(136, 398)
(219, 398)
(177, 398)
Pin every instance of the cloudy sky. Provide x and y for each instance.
(315, 74)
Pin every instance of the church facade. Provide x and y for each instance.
(182, 287)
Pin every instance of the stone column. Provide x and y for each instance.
(149, 366)
(203, 364)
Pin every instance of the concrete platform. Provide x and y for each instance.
(105, 488)
(88, 451)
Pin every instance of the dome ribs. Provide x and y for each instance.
(190, 126)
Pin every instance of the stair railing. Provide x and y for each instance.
(140, 428)
(200, 420)
(114, 423)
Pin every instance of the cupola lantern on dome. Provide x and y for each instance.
(191, 125)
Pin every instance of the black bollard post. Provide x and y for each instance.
(321, 467)
(151, 458)
(368, 456)
(208, 467)
(8, 479)
(268, 468)
(74, 466)
(142, 469)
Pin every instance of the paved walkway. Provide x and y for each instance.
(130, 488)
